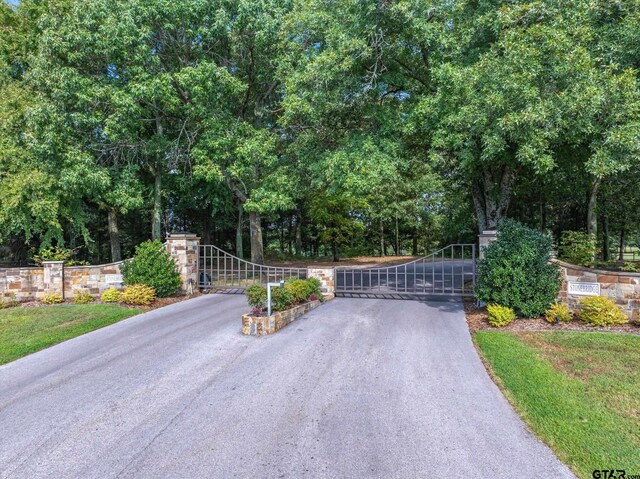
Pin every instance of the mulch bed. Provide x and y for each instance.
(477, 319)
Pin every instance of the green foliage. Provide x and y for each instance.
(558, 312)
(281, 299)
(601, 311)
(57, 253)
(9, 301)
(295, 291)
(500, 316)
(52, 298)
(112, 295)
(630, 267)
(152, 266)
(138, 294)
(577, 247)
(516, 272)
(82, 297)
(300, 290)
(256, 296)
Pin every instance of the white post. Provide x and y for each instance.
(269, 286)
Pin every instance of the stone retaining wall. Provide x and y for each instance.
(30, 284)
(263, 325)
(623, 288)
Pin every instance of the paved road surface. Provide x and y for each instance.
(358, 388)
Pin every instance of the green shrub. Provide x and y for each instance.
(281, 299)
(154, 267)
(256, 296)
(301, 290)
(58, 253)
(600, 311)
(558, 312)
(516, 272)
(9, 301)
(630, 267)
(138, 294)
(577, 247)
(52, 298)
(82, 297)
(112, 295)
(500, 315)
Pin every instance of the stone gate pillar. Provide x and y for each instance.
(184, 249)
(484, 239)
(326, 277)
(53, 277)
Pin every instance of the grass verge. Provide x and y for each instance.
(579, 392)
(27, 330)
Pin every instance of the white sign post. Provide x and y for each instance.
(583, 289)
(269, 286)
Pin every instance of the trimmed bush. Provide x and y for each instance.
(600, 311)
(52, 298)
(577, 247)
(558, 312)
(295, 291)
(281, 299)
(138, 294)
(82, 297)
(9, 301)
(516, 271)
(630, 267)
(301, 290)
(256, 297)
(112, 295)
(154, 267)
(500, 316)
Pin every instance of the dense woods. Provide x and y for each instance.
(309, 127)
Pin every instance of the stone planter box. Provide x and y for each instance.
(263, 325)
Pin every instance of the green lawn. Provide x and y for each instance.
(27, 330)
(579, 392)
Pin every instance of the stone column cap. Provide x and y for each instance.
(53, 262)
(182, 235)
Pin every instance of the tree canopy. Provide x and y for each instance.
(308, 127)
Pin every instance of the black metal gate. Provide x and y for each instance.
(219, 270)
(450, 271)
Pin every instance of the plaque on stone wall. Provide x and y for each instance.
(583, 289)
(113, 278)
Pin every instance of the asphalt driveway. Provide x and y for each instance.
(357, 388)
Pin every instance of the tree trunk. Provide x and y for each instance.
(156, 223)
(491, 196)
(114, 235)
(255, 231)
(621, 246)
(592, 220)
(281, 237)
(414, 249)
(334, 251)
(397, 248)
(299, 231)
(383, 248)
(605, 237)
(239, 248)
